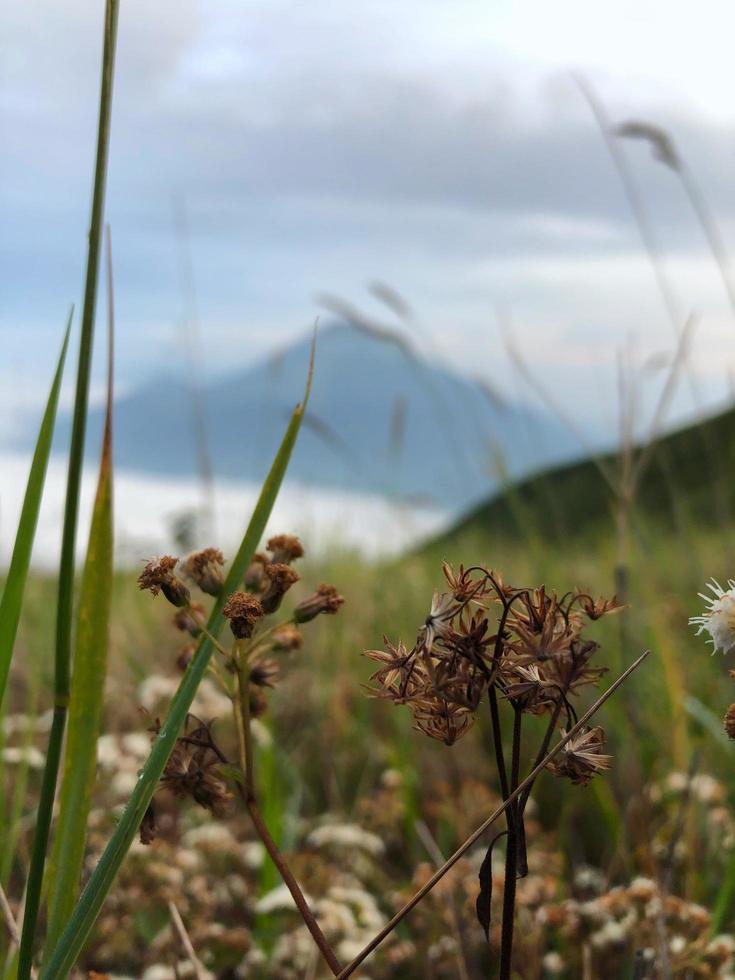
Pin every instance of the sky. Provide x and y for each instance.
(444, 149)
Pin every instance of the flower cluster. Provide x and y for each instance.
(194, 768)
(483, 635)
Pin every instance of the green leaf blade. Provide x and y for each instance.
(88, 907)
(86, 704)
(12, 598)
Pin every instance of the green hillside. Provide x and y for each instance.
(688, 480)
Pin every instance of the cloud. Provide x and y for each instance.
(317, 147)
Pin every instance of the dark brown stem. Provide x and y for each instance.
(247, 792)
(513, 817)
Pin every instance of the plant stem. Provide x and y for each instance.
(513, 817)
(242, 720)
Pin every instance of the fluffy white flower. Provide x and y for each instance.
(719, 619)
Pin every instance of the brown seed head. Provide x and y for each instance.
(204, 568)
(158, 576)
(730, 721)
(582, 757)
(185, 656)
(287, 637)
(264, 673)
(285, 548)
(280, 578)
(243, 610)
(193, 769)
(326, 599)
(189, 620)
(258, 702)
(255, 575)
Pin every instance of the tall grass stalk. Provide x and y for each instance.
(62, 660)
(12, 598)
(88, 681)
(85, 914)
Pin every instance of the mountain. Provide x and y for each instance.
(689, 482)
(381, 420)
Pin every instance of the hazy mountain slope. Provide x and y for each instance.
(690, 482)
(379, 421)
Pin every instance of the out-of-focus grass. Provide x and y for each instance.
(332, 745)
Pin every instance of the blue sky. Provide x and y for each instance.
(441, 148)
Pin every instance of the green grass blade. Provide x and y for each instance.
(62, 658)
(88, 684)
(90, 902)
(12, 599)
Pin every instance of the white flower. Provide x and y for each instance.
(719, 619)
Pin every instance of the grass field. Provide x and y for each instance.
(366, 805)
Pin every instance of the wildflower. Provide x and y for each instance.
(204, 570)
(193, 769)
(443, 610)
(254, 579)
(189, 619)
(719, 619)
(158, 576)
(582, 757)
(185, 656)
(729, 721)
(243, 611)
(264, 673)
(326, 599)
(287, 637)
(596, 608)
(529, 689)
(280, 578)
(285, 548)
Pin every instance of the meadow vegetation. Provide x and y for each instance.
(191, 788)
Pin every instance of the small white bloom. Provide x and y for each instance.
(719, 619)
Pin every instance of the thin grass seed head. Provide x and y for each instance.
(719, 618)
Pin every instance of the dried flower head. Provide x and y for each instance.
(582, 757)
(719, 619)
(326, 599)
(264, 673)
(729, 722)
(254, 579)
(285, 548)
(280, 578)
(596, 608)
(287, 637)
(193, 769)
(243, 610)
(158, 576)
(537, 658)
(185, 656)
(204, 568)
(190, 618)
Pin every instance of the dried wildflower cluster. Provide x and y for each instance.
(483, 635)
(484, 641)
(198, 768)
